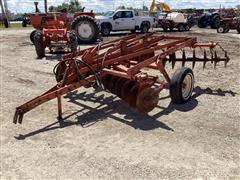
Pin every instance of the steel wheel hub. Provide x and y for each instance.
(85, 30)
(187, 86)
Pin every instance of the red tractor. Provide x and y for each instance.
(82, 23)
(54, 35)
(229, 23)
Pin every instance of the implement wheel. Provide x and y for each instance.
(181, 85)
(38, 42)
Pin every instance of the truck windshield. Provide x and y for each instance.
(108, 13)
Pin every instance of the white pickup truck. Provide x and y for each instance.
(122, 20)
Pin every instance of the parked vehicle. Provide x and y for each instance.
(175, 20)
(169, 20)
(229, 23)
(122, 20)
(55, 36)
(213, 19)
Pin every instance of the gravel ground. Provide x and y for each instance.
(103, 138)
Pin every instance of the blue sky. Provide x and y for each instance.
(104, 5)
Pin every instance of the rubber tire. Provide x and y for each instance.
(32, 36)
(223, 28)
(144, 28)
(73, 41)
(24, 23)
(181, 28)
(227, 30)
(187, 27)
(103, 28)
(176, 85)
(215, 22)
(133, 31)
(6, 23)
(202, 22)
(238, 28)
(38, 42)
(91, 20)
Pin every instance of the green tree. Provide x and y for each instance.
(145, 8)
(121, 7)
(72, 6)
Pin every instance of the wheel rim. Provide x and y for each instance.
(85, 30)
(187, 86)
(221, 29)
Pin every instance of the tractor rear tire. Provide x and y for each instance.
(39, 46)
(86, 29)
(202, 22)
(215, 22)
(73, 41)
(32, 36)
(181, 85)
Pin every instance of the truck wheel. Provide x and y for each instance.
(181, 85)
(221, 29)
(38, 42)
(144, 28)
(133, 31)
(105, 30)
(187, 27)
(32, 36)
(86, 29)
(73, 41)
(181, 28)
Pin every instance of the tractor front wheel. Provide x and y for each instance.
(181, 85)
(32, 36)
(221, 29)
(39, 45)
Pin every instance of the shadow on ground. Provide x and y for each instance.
(109, 106)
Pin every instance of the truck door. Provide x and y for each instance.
(123, 20)
(129, 20)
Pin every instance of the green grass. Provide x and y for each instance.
(15, 25)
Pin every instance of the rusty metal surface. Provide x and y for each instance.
(117, 67)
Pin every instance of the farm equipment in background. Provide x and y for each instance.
(213, 19)
(229, 23)
(169, 20)
(120, 67)
(83, 23)
(54, 36)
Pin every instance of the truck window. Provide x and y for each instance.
(118, 15)
(128, 14)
